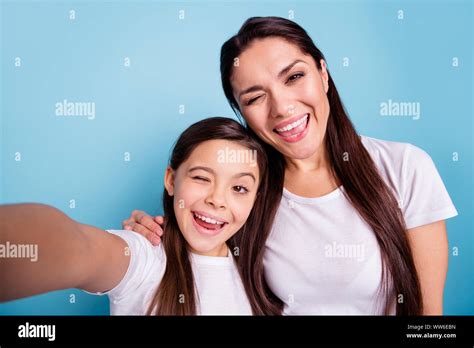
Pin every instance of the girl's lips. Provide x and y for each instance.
(296, 134)
(201, 226)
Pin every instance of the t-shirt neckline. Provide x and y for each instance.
(313, 200)
(213, 260)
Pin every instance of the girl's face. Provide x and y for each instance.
(214, 191)
(282, 95)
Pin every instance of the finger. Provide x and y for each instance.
(159, 219)
(127, 227)
(137, 214)
(148, 222)
(125, 223)
(156, 240)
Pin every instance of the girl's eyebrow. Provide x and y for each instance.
(284, 71)
(211, 171)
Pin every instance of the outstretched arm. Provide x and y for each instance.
(70, 255)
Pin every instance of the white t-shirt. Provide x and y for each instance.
(217, 281)
(322, 257)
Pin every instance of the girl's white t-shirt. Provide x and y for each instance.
(322, 257)
(217, 282)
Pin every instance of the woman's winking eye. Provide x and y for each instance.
(252, 100)
(292, 78)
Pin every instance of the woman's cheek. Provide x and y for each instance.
(310, 93)
(255, 122)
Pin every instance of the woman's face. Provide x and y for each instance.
(213, 193)
(282, 96)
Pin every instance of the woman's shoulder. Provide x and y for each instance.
(392, 153)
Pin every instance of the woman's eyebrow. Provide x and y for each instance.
(211, 171)
(280, 74)
(285, 70)
(250, 89)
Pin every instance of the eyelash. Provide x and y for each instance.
(243, 187)
(200, 178)
(300, 75)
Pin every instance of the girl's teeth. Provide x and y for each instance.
(208, 220)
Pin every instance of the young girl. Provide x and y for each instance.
(213, 208)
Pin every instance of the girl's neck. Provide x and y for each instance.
(220, 251)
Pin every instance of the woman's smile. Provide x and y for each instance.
(294, 129)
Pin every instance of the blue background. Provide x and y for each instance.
(175, 62)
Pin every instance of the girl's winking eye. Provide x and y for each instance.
(200, 178)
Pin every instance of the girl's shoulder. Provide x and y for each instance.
(140, 246)
(147, 264)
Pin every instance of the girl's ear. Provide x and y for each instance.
(169, 180)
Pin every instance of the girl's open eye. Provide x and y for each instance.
(295, 77)
(252, 100)
(240, 189)
(201, 178)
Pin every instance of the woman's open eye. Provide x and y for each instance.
(240, 189)
(252, 100)
(200, 178)
(295, 77)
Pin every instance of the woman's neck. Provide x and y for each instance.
(316, 162)
(310, 177)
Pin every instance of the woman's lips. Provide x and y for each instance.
(295, 134)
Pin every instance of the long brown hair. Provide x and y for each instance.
(176, 294)
(363, 185)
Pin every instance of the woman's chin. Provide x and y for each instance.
(301, 151)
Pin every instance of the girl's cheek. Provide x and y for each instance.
(242, 210)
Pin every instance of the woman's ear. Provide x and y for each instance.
(169, 180)
(324, 75)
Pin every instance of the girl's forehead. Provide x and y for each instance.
(223, 156)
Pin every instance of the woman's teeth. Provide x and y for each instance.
(293, 125)
(208, 220)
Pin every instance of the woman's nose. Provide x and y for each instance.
(281, 107)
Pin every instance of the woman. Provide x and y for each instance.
(360, 225)
(213, 211)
